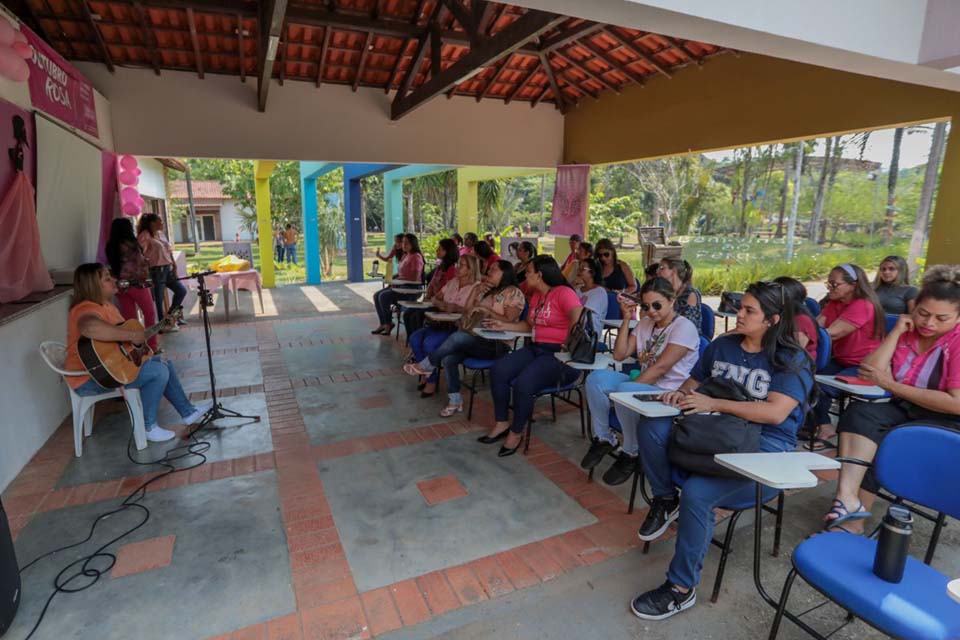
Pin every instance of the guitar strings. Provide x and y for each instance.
(84, 567)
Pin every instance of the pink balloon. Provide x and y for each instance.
(128, 162)
(139, 202)
(129, 194)
(130, 209)
(12, 66)
(137, 171)
(128, 178)
(7, 33)
(22, 49)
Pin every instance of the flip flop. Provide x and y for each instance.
(844, 514)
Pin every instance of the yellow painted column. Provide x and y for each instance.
(262, 169)
(467, 203)
(944, 244)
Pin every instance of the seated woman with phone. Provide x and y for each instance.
(777, 374)
(919, 364)
(666, 346)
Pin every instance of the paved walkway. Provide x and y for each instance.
(352, 510)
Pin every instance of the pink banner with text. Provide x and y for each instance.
(56, 88)
(569, 214)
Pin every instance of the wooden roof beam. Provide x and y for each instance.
(464, 17)
(270, 28)
(610, 60)
(683, 49)
(363, 60)
(554, 85)
(495, 18)
(197, 58)
(323, 55)
(582, 30)
(494, 77)
(583, 69)
(531, 25)
(637, 51)
(107, 60)
(240, 36)
(43, 30)
(523, 82)
(147, 35)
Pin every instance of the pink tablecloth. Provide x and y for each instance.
(233, 281)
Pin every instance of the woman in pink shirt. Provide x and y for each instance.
(445, 271)
(453, 298)
(411, 269)
(554, 309)
(856, 323)
(163, 270)
(919, 365)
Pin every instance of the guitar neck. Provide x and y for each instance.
(155, 329)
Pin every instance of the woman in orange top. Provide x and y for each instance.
(91, 316)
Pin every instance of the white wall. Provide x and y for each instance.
(230, 223)
(34, 398)
(151, 179)
(177, 114)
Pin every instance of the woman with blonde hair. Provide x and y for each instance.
(893, 287)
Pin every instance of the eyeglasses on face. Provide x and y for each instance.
(833, 285)
(656, 306)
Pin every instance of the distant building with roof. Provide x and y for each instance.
(217, 215)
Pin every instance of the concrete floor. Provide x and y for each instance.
(315, 523)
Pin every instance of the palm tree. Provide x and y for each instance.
(921, 226)
(890, 212)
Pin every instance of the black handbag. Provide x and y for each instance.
(696, 438)
(582, 340)
(729, 302)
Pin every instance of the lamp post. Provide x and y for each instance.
(873, 176)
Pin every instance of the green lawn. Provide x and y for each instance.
(720, 262)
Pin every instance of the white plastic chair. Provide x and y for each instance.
(54, 354)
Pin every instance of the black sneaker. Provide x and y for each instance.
(598, 450)
(621, 470)
(662, 602)
(662, 513)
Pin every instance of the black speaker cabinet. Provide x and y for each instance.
(9, 575)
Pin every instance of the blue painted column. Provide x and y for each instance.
(311, 237)
(352, 197)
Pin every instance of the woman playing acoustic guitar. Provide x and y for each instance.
(92, 316)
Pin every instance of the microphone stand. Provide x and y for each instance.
(217, 411)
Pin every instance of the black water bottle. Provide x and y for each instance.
(893, 545)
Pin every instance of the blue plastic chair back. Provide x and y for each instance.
(891, 321)
(704, 343)
(813, 306)
(707, 321)
(526, 310)
(613, 307)
(919, 463)
(823, 348)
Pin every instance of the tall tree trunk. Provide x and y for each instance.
(783, 202)
(410, 220)
(745, 191)
(889, 214)
(543, 205)
(813, 233)
(831, 183)
(792, 223)
(922, 225)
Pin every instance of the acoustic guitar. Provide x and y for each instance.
(114, 364)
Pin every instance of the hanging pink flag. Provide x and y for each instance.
(108, 200)
(570, 200)
(22, 270)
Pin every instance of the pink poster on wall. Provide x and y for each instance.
(56, 88)
(569, 214)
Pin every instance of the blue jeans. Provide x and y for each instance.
(157, 379)
(599, 385)
(278, 251)
(700, 496)
(827, 394)
(291, 250)
(455, 349)
(164, 277)
(424, 341)
(525, 372)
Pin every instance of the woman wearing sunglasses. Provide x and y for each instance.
(666, 346)
(856, 323)
(593, 296)
(617, 274)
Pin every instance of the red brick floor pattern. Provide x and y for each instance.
(147, 555)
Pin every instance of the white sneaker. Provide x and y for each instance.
(159, 434)
(198, 412)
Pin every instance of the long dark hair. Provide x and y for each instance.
(660, 286)
(458, 239)
(451, 253)
(483, 249)
(146, 221)
(529, 247)
(796, 294)
(779, 343)
(864, 290)
(549, 270)
(414, 243)
(508, 279)
(121, 233)
(606, 243)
